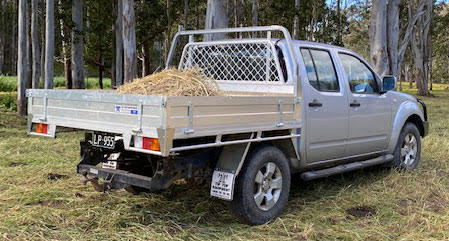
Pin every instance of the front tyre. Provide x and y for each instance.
(408, 149)
(262, 187)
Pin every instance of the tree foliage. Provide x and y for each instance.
(158, 20)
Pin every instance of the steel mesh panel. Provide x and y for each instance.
(243, 61)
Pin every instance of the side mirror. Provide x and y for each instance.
(389, 83)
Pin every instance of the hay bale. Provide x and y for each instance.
(172, 82)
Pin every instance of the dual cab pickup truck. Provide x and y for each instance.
(289, 107)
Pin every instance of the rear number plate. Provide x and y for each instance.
(222, 185)
(103, 140)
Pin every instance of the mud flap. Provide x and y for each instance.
(228, 167)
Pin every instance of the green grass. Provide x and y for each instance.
(9, 83)
(408, 205)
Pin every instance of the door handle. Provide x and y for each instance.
(354, 104)
(315, 104)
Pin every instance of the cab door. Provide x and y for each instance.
(326, 128)
(369, 111)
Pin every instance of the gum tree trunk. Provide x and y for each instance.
(129, 41)
(119, 45)
(186, 13)
(216, 17)
(378, 37)
(49, 43)
(296, 21)
(65, 50)
(43, 56)
(339, 27)
(420, 47)
(29, 83)
(35, 45)
(2, 35)
(22, 60)
(238, 9)
(77, 45)
(255, 12)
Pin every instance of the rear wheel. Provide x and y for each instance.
(408, 150)
(262, 187)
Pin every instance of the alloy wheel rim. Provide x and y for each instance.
(267, 186)
(409, 150)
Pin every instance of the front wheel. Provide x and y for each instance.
(408, 150)
(262, 187)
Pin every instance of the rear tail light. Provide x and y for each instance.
(147, 143)
(42, 128)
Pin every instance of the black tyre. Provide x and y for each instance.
(408, 149)
(262, 187)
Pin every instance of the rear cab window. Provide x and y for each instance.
(320, 70)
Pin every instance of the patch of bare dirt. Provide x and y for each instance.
(361, 211)
(56, 176)
(79, 195)
(47, 203)
(16, 164)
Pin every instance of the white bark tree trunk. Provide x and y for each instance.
(49, 43)
(129, 41)
(420, 48)
(35, 45)
(378, 37)
(393, 35)
(119, 44)
(255, 12)
(296, 21)
(43, 56)
(386, 54)
(186, 13)
(22, 60)
(29, 83)
(2, 35)
(238, 9)
(339, 27)
(408, 33)
(14, 47)
(77, 45)
(65, 50)
(216, 17)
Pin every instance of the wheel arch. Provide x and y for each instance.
(415, 119)
(232, 157)
(408, 112)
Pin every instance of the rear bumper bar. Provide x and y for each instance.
(118, 178)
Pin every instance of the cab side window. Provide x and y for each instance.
(361, 78)
(320, 70)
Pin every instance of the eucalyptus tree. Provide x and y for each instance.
(129, 41)
(119, 44)
(22, 60)
(386, 52)
(35, 44)
(2, 34)
(420, 46)
(49, 43)
(77, 45)
(216, 17)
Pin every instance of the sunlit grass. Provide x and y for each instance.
(408, 205)
(9, 83)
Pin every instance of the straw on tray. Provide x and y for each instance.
(173, 82)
